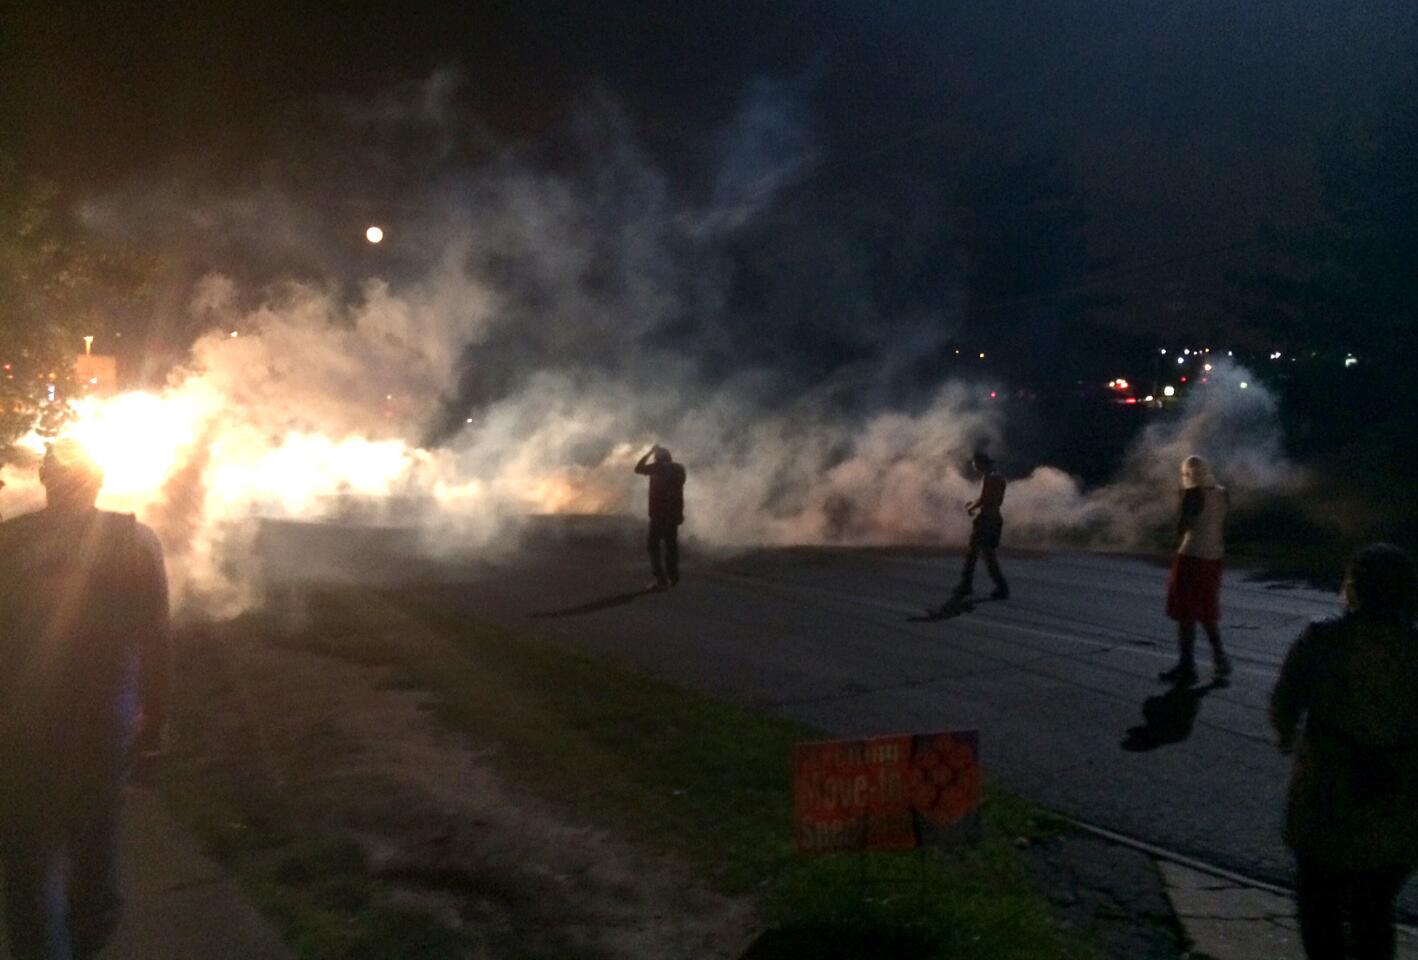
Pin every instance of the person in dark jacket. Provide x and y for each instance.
(84, 663)
(666, 513)
(985, 531)
(1351, 819)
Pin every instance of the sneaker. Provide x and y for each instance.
(1222, 667)
(1001, 593)
(655, 586)
(1181, 673)
(961, 592)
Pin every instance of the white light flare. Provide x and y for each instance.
(137, 438)
(374, 234)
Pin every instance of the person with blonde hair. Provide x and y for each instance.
(1194, 584)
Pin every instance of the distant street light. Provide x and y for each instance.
(374, 234)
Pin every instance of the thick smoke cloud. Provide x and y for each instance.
(541, 323)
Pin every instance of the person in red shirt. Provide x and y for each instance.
(666, 513)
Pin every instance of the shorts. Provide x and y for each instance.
(1194, 590)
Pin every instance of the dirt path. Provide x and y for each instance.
(343, 747)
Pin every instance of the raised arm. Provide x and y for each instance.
(642, 466)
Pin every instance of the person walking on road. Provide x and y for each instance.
(985, 531)
(666, 514)
(1194, 584)
(1351, 817)
(84, 665)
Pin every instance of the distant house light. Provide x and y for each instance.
(1169, 391)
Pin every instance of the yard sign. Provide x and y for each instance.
(886, 793)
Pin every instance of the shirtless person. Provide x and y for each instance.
(985, 532)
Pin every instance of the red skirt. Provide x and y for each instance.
(1194, 590)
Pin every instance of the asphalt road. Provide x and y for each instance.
(1055, 679)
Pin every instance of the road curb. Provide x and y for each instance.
(1232, 922)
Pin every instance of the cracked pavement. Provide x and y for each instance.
(1224, 920)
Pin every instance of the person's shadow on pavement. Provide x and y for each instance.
(1168, 717)
(604, 603)
(949, 610)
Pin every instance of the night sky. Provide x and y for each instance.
(1181, 126)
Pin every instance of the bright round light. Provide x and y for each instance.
(1169, 391)
(374, 234)
(1244, 385)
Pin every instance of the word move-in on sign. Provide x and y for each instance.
(886, 793)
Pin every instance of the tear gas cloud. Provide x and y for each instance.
(558, 325)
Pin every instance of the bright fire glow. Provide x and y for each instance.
(136, 438)
(184, 443)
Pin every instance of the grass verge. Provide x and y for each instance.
(668, 769)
